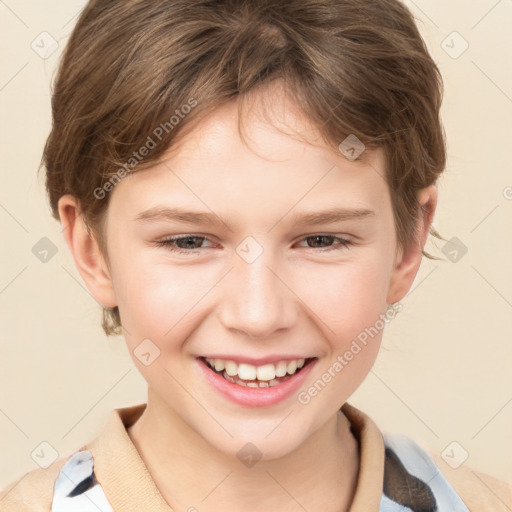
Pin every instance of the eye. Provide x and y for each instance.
(190, 244)
(319, 239)
(182, 244)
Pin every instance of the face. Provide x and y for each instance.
(286, 262)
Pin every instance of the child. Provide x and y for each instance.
(247, 189)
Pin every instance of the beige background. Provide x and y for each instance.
(445, 373)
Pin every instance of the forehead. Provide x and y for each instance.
(272, 124)
(281, 160)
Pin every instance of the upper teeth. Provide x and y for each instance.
(250, 372)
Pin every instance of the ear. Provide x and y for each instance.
(408, 261)
(86, 252)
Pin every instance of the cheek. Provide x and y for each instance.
(349, 309)
(157, 300)
(346, 298)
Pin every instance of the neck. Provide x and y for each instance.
(321, 474)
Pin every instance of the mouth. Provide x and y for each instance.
(254, 376)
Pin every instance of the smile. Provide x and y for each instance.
(256, 385)
(249, 375)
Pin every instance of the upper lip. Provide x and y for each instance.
(256, 361)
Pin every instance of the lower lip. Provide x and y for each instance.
(255, 397)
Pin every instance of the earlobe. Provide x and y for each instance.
(86, 252)
(408, 261)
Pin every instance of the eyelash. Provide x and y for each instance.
(169, 243)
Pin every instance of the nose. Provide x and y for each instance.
(256, 299)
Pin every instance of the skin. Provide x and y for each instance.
(296, 298)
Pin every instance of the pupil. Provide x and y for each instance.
(188, 242)
(319, 237)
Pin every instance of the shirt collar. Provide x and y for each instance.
(129, 486)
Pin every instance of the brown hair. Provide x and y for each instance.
(135, 74)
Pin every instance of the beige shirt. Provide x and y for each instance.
(129, 487)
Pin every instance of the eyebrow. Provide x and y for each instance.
(329, 216)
